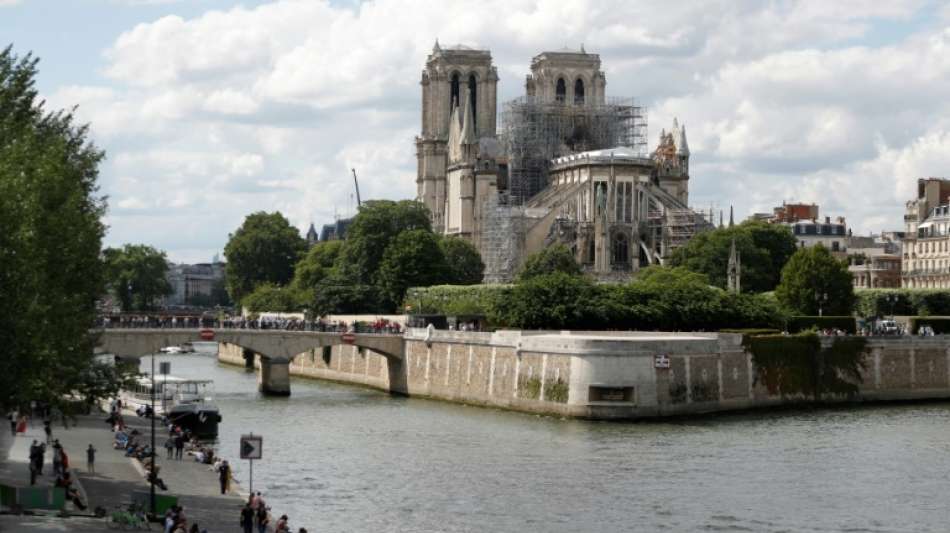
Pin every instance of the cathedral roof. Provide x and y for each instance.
(617, 154)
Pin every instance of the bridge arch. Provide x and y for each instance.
(277, 348)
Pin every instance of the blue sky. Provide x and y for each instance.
(209, 109)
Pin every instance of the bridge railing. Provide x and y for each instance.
(293, 324)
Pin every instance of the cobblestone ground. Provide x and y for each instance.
(114, 479)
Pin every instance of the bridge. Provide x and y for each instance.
(276, 348)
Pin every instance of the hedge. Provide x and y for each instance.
(905, 302)
(940, 325)
(456, 300)
(561, 301)
(797, 324)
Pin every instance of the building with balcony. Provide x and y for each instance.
(926, 249)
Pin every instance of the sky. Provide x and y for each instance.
(209, 110)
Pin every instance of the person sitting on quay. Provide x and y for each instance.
(65, 481)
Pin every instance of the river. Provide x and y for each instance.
(344, 458)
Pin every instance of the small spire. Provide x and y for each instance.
(436, 48)
(720, 218)
(682, 148)
(731, 220)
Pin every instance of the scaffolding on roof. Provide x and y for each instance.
(535, 132)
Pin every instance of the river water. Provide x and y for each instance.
(344, 458)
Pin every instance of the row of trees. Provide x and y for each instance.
(804, 280)
(52, 273)
(389, 247)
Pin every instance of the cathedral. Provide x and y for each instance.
(568, 165)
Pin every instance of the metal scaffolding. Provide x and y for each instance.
(535, 132)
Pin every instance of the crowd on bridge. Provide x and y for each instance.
(260, 322)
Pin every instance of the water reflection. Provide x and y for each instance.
(345, 458)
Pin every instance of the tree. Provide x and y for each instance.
(763, 248)
(136, 274)
(555, 258)
(465, 266)
(336, 294)
(554, 300)
(263, 250)
(814, 279)
(372, 230)
(413, 259)
(271, 298)
(316, 264)
(50, 243)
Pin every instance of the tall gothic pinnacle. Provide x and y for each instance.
(731, 219)
(436, 48)
(468, 122)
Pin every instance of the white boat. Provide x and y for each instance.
(184, 348)
(169, 392)
(186, 402)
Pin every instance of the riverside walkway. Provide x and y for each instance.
(114, 480)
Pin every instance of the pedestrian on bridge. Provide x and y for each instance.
(247, 518)
(12, 416)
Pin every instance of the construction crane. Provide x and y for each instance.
(357, 183)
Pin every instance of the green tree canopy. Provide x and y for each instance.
(465, 266)
(136, 275)
(263, 250)
(337, 294)
(50, 243)
(555, 300)
(412, 259)
(555, 258)
(267, 297)
(813, 274)
(375, 226)
(316, 264)
(763, 248)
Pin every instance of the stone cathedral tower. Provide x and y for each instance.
(451, 74)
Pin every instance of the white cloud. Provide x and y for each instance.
(269, 107)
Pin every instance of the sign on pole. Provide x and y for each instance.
(661, 361)
(165, 368)
(251, 446)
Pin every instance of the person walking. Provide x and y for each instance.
(90, 459)
(34, 458)
(224, 475)
(57, 459)
(170, 446)
(282, 526)
(12, 416)
(263, 520)
(179, 446)
(47, 428)
(247, 518)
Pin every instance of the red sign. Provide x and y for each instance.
(207, 334)
(348, 338)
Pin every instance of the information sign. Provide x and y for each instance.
(251, 446)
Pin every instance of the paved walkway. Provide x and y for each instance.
(115, 477)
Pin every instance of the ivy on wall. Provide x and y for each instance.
(797, 365)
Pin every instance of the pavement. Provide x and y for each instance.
(114, 479)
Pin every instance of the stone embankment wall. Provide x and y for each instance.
(606, 375)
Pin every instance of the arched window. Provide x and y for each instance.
(621, 250)
(579, 92)
(560, 91)
(472, 100)
(454, 92)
